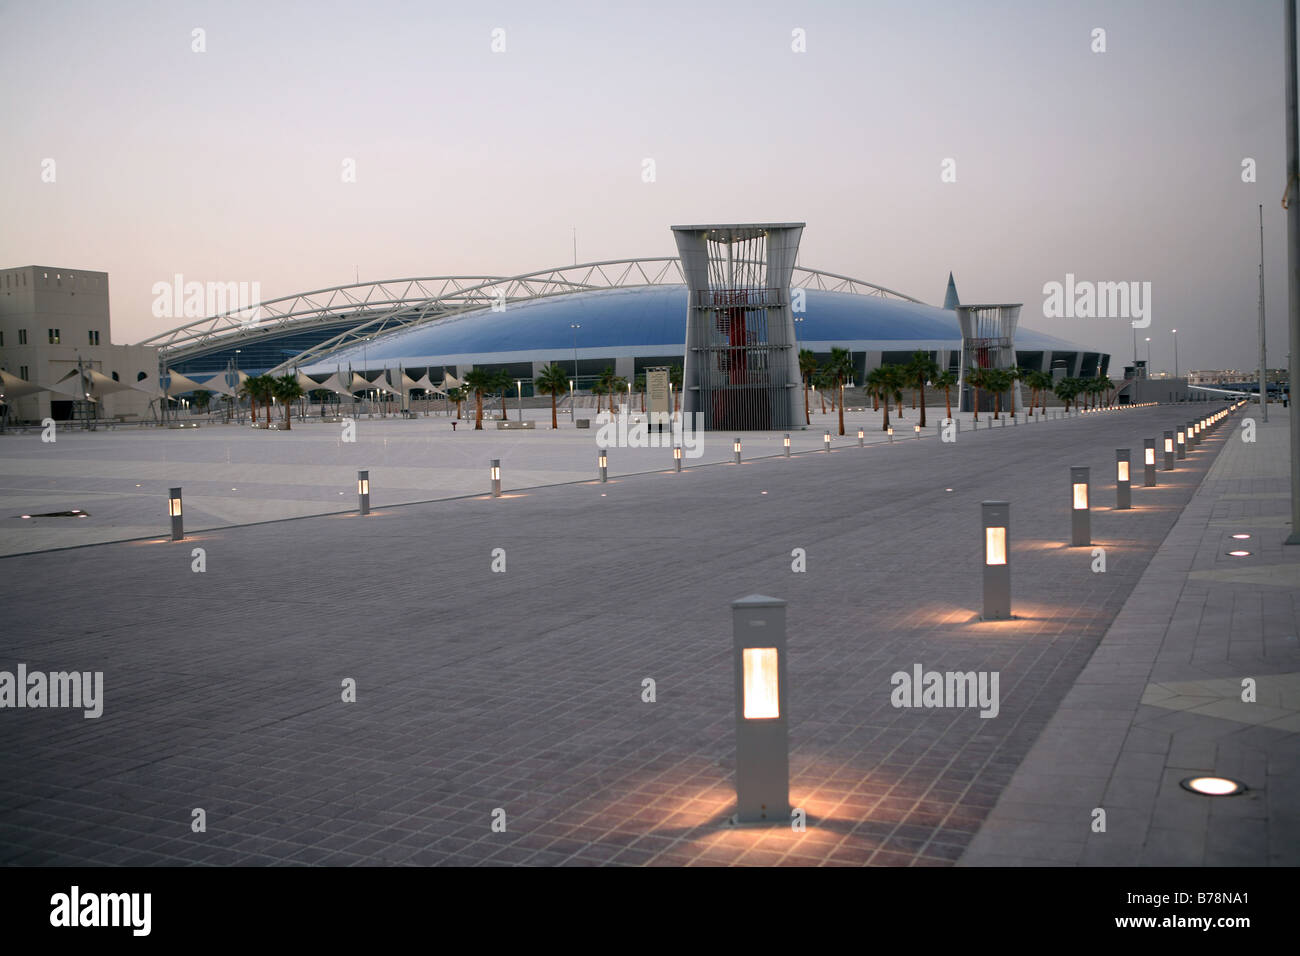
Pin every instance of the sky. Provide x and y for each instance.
(228, 165)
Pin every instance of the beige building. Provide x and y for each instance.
(52, 319)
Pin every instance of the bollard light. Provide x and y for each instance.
(1123, 485)
(1180, 443)
(762, 742)
(1169, 451)
(1080, 517)
(677, 457)
(827, 440)
(735, 446)
(1149, 462)
(917, 430)
(496, 477)
(996, 516)
(174, 511)
(602, 460)
(862, 437)
(363, 492)
(786, 442)
(891, 432)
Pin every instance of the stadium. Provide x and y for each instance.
(626, 314)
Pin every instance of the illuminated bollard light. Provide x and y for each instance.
(917, 430)
(786, 442)
(1189, 433)
(996, 518)
(363, 492)
(174, 511)
(1149, 462)
(735, 446)
(762, 741)
(891, 432)
(602, 462)
(862, 437)
(496, 477)
(827, 440)
(677, 457)
(1180, 443)
(1080, 516)
(1123, 482)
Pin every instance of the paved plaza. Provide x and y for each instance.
(233, 475)
(484, 695)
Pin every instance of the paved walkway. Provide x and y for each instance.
(522, 691)
(1161, 699)
(232, 475)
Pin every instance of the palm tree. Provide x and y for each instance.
(638, 385)
(945, 381)
(617, 386)
(1065, 390)
(898, 381)
(807, 366)
(1107, 386)
(840, 368)
(202, 398)
(878, 384)
(287, 390)
(456, 395)
(977, 379)
(1037, 382)
(605, 386)
(501, 385)
(821, 381)
(920, 370)
(997, 381)
(1013, 375)
(251, 388)
(478, 381)
(552, 381)
(675, 379)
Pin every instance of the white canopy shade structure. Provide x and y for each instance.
(359, 384)
(221, 383)
(95, 384)
(11, 387)
(428, 386)
(335, 383)
(450, 381)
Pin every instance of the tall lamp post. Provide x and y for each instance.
(1174, 333)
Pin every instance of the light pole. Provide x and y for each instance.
(1174, 333)
(575, 326)
(519, 388)
(1148, 356)
(572, 399)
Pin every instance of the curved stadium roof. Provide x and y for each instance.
(649, 321)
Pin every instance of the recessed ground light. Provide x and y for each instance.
(26, 516)
(1241, 537)
(947, 489)
(1213, 786)
(1238, 554)
(762, 492)
(76, 511)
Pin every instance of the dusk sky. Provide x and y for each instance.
(226, 165)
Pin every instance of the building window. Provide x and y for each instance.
(115, 378)
(2, 340)
(93, 336)
(142, 376)
(54, 336)
(22, 336)
(22, 371)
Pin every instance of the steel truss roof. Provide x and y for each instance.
(379, 307)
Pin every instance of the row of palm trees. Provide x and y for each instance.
(887, 383)
(284, 389)
(553, 380)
